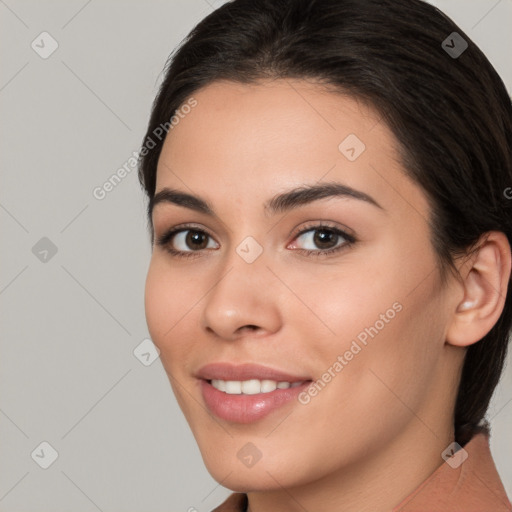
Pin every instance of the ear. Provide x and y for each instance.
(485, 281)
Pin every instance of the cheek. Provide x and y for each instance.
(156, 305)
(379, 318)
(170, 302)
(165, 308)
(341, 303)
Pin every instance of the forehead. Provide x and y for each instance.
(260, 138)
(270, 113)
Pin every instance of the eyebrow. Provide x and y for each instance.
(280, 203)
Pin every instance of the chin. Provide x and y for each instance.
(248, 480)
(266, 474)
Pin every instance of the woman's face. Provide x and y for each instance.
(358, 331)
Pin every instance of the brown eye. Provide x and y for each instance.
(187, 240)
(321, 238)
(196, 239)
(325, 238)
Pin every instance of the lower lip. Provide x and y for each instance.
(247, 408)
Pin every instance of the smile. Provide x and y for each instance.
(252, 386)
(239, 407)
(246, 393)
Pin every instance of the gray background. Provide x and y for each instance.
(71, 323)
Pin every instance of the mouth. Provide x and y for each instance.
(247, 393)
(252, 386)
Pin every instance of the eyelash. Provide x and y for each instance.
(165, 239)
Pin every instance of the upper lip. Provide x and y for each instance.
(247, 371)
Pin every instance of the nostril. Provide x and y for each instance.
(251, 327)
(247, 328)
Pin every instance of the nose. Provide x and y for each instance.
(244, 300)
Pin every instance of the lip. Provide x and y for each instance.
(247, 371)
(247, 408)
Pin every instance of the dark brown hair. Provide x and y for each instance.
(450, 113)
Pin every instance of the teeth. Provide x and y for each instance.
(251, 387)
(268, 385)
(233, 387)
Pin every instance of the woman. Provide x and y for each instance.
(329, 285)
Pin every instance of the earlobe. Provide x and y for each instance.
(485, 289)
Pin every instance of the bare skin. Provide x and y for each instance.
(377, 429)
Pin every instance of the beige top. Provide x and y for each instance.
(473, 486)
